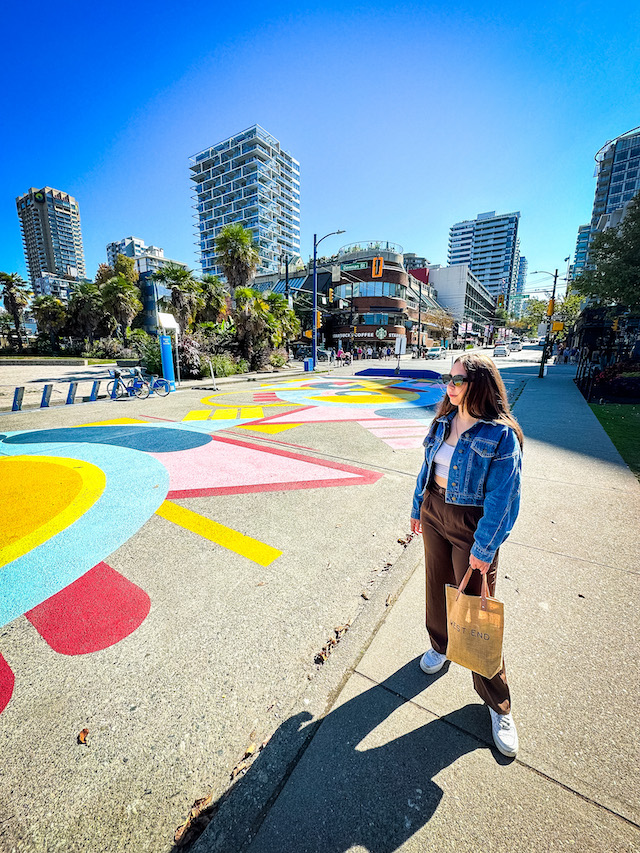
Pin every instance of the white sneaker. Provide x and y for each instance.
(504, 733)
(432, 661)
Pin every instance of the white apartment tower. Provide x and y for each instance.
(251, 180)
(50, 224)
(489, 244)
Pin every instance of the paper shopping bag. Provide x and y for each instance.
(475, 625)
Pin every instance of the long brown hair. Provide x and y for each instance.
(486, 396)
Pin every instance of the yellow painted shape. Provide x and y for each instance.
(367, 399)
(197, 415)
(272, 429)
(247, 547)
(40, 496)
(224, 414)
(251, 412)
(113, 422)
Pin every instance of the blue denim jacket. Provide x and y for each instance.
(485, 471)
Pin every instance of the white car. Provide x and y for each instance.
(435, 352)
(515, 346)
(500, 350)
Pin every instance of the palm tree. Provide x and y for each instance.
(85, 309)
(238, 256)
(51, 315)
(121, 299)
(286, 325)
(15, 294)
(186, 297)
(213, 295)
(254, 323)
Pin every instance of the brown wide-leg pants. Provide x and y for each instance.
(447, 531)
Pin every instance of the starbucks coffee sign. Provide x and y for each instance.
(381, 333)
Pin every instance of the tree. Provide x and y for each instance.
(255, 325)
(185, 293)
(51, 316)
(213, 296)
(85, 309)
(615, 256)
(534, 314)
(126, 267)
(15, 294)
(283, 324)
(105, 272)
(238, 256)
(568, 308)
(121, 299)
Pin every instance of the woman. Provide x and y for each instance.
(465, 504)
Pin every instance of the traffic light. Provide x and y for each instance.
(551, 307)
(355, 329)
(330, 294)
(614, 325)
(501, 301)
(377, 265)
(318, 319)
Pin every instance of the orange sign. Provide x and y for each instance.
(377, 265)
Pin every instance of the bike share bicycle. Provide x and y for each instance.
(138, 385)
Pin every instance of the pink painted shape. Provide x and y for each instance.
(395, 422)
(396, 432)
(94, 612)
(7, 680)
(325, 414)
(217, 469)
(404, 443)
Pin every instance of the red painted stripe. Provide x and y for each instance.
(94, 612)
(272, 441)
(274, 487)
(156, 418)
(7, 680)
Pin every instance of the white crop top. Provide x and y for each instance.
(442, 460)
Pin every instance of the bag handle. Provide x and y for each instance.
(484, 592)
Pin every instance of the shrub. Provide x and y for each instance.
(189, 354)
(224, 365)
(278, 358)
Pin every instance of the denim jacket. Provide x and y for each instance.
(485, 471)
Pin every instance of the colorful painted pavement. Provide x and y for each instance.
(72, 496)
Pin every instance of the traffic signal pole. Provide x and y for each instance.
(550, 310)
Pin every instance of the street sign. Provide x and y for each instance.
(401, 345)
(354, 266)
(381, 333)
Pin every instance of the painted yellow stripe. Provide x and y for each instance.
(271, 429)
(114, 422)
(222, 414)
(247, 547)
(251, 412)
(197, 415)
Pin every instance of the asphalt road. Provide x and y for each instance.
(174, 571)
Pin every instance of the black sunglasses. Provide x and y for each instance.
(456, 380)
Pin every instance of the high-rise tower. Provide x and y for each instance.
(248, 179)
(489, 244)
(50, 223)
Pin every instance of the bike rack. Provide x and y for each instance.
(18, 396)
(46, 396)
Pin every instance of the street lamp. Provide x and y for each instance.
(550, 310)
(314, 322)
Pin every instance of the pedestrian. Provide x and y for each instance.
(369, 352)
(465, 504)
(332, 357)
(340, 356)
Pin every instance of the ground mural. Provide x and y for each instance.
(70, 497)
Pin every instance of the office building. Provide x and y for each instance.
(50, 224)
(489, 245)
(582, 248)
(248, 179)
(618, 180)
(459, 291)
(517, 301)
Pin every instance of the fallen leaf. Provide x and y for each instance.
(82, 737)
(265, 742)
(364, 595)
(253, 734)
(239, 768)
(250, 750)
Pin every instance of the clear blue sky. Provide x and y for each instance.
(405, 118)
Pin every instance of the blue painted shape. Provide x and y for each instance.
(406, 372)
(136, 486)
(94, 391)
(410, 413)
(18, 396)
(151, 439)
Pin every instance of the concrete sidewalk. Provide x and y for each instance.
(404, 761)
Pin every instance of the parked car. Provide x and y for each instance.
(541, 342)
(500, 350)
(515, 346)
(435, 352)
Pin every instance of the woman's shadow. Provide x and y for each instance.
(344, 793)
